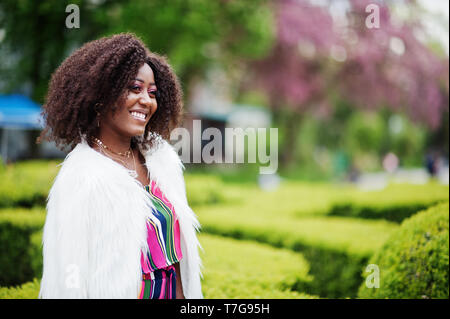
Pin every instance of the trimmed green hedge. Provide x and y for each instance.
(300, 199)
(266, 272)
(18, 252)
(243, 269)
(29, 290)
(205, 190)
(336, 248)
(414, 262)
(297, 216)
(26, 184)
(390, 212)
(395, 203)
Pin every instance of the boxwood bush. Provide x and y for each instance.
(335, 247)
(297, 216)
(204, 190)
(232, 269)
(26, 184)
(245, 269)
(29, 290)
(395, 203)
(18, 249)
(414, 262)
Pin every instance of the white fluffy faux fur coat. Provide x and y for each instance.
(95, 227)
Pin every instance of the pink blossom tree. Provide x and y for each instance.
(390, 66)
(318, 54)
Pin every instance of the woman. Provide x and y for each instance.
(118, 223)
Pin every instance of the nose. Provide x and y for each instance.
(145, 99)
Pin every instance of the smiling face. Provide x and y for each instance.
(140, 104)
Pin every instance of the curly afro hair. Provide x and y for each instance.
(95, 78)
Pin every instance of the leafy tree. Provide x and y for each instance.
(197, 34)
(194, 34)
(36, 40)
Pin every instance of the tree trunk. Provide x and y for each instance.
(289, 124)
(293, 121)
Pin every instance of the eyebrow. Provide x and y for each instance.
(140, 80)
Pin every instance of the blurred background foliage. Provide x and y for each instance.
(329, 82)
(194, 34)
(346, 99)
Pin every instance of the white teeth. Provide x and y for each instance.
(138, 115)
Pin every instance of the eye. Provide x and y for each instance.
(153, 93)
(135, 88)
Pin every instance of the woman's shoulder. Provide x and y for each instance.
(82, 164)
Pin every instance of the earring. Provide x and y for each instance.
(96, 107)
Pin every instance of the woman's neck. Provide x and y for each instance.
(114, 141)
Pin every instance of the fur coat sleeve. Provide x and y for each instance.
(95, 226)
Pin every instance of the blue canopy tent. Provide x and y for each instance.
(17, 112)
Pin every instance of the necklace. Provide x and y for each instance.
(100, 144)
(132, 172)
